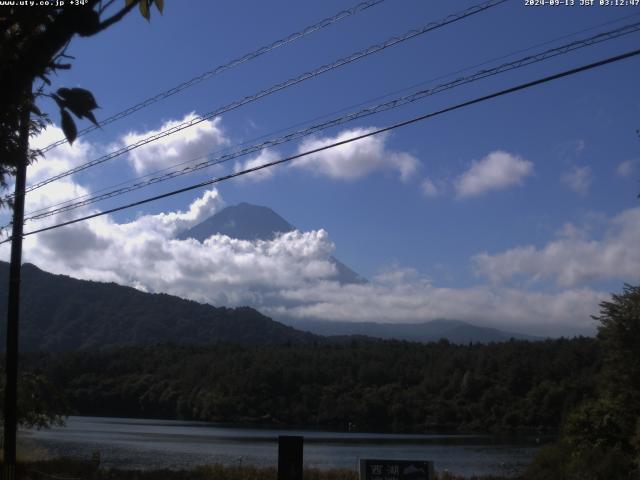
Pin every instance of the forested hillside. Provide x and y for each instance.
(386, 385)
(60, 313)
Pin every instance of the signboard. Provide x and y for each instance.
(396, 470)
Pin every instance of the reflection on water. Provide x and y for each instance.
(149, 444)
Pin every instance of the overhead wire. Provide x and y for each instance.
(365, 112)
(404, 123)
(475, 9)
(226, 66)
(344, 109)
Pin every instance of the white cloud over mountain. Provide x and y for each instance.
(540, 313)
(293, 274)
(290, 275)
(496, 171)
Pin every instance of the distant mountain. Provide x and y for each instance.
(60, 313)
(453, 330)
(243, 221)
(253, 222)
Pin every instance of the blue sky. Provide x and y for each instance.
(518, 201)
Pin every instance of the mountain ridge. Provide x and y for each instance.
(455, 331)
(73, 314)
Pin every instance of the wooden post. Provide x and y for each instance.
(13, 309)
(290, 457)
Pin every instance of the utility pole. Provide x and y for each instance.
(13, 310)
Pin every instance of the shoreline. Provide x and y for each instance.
(80, 469)
(180, 446)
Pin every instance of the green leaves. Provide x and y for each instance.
(80, 102)
(78, 97)
(41, 404)
(68, 126)
(145, 7)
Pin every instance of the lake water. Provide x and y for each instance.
(151, 444)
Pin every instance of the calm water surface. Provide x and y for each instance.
(150, 444)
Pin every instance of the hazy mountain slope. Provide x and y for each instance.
(62, 313)
(453, 330)
(253, 222)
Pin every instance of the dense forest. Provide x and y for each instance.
(587, 390)
(379, 386)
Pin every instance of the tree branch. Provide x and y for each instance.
(105, 6)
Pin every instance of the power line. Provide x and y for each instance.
(405, 123)
(359, 104)
(227, 66)
(275, 88)
(397, 102)
(627, 29)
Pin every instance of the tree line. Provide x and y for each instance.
(587, 390)
(372, 385)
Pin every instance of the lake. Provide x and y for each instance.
(151, 444)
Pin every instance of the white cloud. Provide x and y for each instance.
(571, 231)
(188, 144)
(265, 156)
(626, 168)
(579, 180)
(357, 159)
(58, 160)
(496, 171)
(429, 188)
(170, 224)
(542, 313)
(221, 270)
(292, 275)
(573, 260)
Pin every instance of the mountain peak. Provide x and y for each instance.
(245, 221)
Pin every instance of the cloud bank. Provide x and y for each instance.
(293, 275)
(573, 260)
